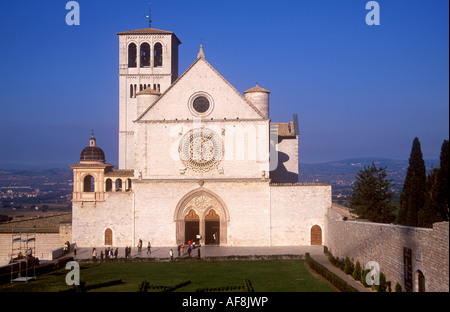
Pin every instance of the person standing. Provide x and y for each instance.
(149, 246)
(171, 254)
(94, 253)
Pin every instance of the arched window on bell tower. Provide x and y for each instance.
(145, 55)
(157, 50)
(88, 184)
(132, 54)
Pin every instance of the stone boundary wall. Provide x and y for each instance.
(45, 244)
(384, 243)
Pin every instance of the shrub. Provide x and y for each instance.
(348, 267)
(333, 278)
(363, 277)
(357, 271)
(398, 287)
(383, 285)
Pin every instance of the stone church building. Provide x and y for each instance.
(198, 160)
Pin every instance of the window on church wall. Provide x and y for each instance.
(157, 55)
(132, 54)
(145, 55)
(108, 237)
(118, 185)
(88, 184)
(131, 91)
(128, 184)
(108, 185)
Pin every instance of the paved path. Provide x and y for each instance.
(323, 260)
(316, 253)
(205, 251)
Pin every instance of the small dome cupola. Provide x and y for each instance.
(260, 98)
(92, 153)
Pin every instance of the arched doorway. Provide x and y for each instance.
(212, 228)
(212, 217)
(191, 227)
(316, 235)
(420, 281)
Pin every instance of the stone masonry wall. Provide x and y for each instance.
(45, 243)
(384, 243)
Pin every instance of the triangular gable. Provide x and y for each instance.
(201, 77)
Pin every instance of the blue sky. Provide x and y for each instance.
(358, 90)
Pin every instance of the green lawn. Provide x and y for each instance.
(265, 276)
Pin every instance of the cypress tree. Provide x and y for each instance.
(442, 182)
(412, 198)
(371, 196)
(431, 211)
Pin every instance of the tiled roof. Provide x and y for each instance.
(285, 129)
(256, 89)
(148, 31)
(93, 165)
(149, 91)
(120, 173)
(145, 31)
(45, 224)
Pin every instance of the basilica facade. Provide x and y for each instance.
(198, 161)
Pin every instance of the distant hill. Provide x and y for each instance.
(34, 167)
(342, 174)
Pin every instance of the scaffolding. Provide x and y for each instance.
(23, 251)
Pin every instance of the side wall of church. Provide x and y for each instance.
(90, 221)
(295, 209)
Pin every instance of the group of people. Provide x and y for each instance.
(149, 247)
(108, 254)
(190, 246)
(127, 252)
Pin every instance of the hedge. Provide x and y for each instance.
(330, 276)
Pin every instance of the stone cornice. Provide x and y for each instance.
(205, 120)
(201, 182)
(299, 184)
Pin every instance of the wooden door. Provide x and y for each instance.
(316, 235)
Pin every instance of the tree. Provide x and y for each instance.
(431, 211)
(442, 181)
(412, 198)
(371, 196)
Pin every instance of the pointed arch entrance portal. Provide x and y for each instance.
(201, 216)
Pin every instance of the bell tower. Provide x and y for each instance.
(148, 58)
